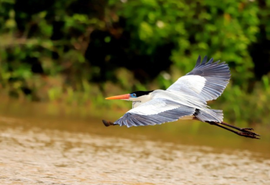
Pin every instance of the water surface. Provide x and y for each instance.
(41, 148)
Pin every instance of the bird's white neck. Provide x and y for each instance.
(141, 99)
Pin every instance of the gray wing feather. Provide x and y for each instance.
(216, 74)
(161, 115)
(210, 115)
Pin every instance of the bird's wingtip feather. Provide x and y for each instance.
(107, 123)
(198, 61)
(211, 60)
(204, 60)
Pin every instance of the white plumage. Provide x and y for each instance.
(194, 83)
(186, 98)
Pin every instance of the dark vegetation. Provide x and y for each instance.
(78, 51)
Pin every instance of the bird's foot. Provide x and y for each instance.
(107, 123)
(247, 129)
(247, 132)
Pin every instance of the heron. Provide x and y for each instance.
(186, 98)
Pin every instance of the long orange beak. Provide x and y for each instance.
(121, 97)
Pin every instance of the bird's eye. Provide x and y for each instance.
(133, 95)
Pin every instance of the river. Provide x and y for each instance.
(37, 147)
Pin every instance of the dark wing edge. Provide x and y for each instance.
(133, 119)
(217, 75)
(211, 69)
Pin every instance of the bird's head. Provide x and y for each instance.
(134, 96)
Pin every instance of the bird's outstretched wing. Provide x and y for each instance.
(153, 112)
(206, 81)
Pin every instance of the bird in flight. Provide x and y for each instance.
(185, 99)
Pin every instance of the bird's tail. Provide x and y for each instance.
(209, 115)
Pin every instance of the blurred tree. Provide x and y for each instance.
(52, 48)
(221, 30)
(260, 50)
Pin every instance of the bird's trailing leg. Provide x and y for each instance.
(108, 123)
(245, 132)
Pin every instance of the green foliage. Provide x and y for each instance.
(43, 49)
(245, 108)
(220, 30)
(31, 46)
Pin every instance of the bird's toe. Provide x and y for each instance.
(247, 129)
(249, 134)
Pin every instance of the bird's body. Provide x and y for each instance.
(185, 99)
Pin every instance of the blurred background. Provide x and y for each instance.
(59, 59)
(76, 52)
